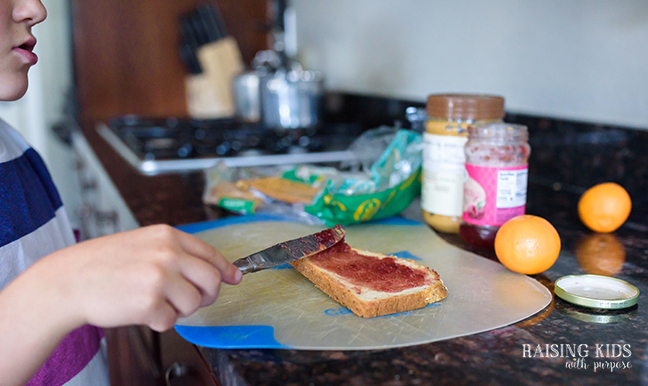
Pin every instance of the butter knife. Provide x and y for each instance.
(291, 250)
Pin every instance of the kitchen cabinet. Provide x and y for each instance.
(102, 210)
(183, 363)
(141, 357)
(126, 52)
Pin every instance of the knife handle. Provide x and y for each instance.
(245, 265)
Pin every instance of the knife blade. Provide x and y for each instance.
(291, 250)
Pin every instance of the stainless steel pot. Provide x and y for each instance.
(291, 99)
(247, 98)
(245, 86)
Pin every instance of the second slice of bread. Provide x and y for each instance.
(366, 302)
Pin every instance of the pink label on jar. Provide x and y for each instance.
(494, 195)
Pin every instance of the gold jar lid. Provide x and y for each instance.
(596, 291)
(465, 107)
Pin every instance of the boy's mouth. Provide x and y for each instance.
(25, 50)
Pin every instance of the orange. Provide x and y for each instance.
(600, 254)
(604, 207)
(527, 244)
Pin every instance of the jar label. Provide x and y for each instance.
(443, 174)
(494, 195)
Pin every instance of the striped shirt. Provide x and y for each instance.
(33, 224)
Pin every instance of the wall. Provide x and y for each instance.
(584, 60)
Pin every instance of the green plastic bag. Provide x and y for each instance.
(345, 210)
(394, 182)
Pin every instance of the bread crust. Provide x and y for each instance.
(367, 308)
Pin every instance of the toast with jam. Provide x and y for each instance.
(371, 284)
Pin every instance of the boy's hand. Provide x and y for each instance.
(148, 276)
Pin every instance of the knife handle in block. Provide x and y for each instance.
(221, 61)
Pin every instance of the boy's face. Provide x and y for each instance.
(17, 17)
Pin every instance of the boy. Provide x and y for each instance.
(53, 292)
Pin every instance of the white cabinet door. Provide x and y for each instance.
(102, 210)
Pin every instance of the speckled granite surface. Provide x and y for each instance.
(495, 357)
(566, 158)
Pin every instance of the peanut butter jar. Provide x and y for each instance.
(449, 116)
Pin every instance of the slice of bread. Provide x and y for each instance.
(281, 189)
(367, 284)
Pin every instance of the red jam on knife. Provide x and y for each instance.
(370, 272)
(313, 243)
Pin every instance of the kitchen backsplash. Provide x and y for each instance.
(565, 155)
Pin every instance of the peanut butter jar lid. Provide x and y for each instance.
(465, 107)
(595, 291)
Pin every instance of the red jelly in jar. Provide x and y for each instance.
(495, 189)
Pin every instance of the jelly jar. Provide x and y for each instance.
(495, 186)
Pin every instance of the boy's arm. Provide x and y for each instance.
(149, 276)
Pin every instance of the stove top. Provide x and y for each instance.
(168, 145)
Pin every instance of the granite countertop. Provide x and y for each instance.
(567, 157)
(495, 357)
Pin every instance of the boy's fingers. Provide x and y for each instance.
(204, 276)
(234, 275)
(164, 318)
(183, 295)
(196, 247)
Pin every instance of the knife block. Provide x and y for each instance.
(209, 94)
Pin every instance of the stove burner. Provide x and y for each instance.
(175, 138)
